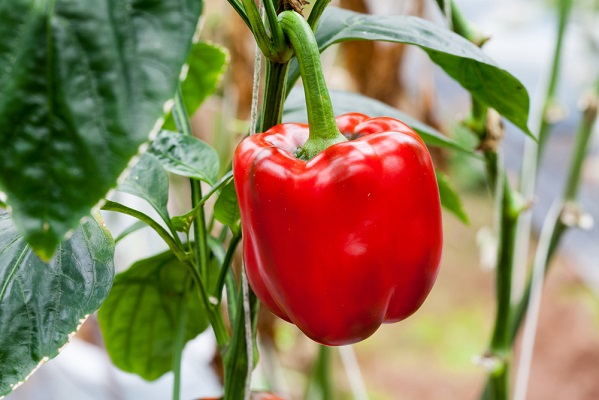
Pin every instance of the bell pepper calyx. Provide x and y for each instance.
(321, 118)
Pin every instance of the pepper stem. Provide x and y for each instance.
(321, 118)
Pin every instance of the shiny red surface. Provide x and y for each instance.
(346, 241)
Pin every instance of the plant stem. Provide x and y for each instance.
(321, 118)
(199, 221)
(565, 7)
(353, 372)
(316, 13)
(554, 227)
(240, 11)
(200, 245)
(236, 359)
(500, 346)
(231, 295)
(215, 317)
(534, 151)
(258, 30)
(226, 266)
(459, 24)
(569, 196)
(178, 345)
(163, 233)
(191, 214)
(320, 385)
(274, 95)
(276, 32)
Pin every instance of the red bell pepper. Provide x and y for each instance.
(346, 241)
(342, 232)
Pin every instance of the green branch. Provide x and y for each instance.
(238, 7)
(316, 13)
(163, 233)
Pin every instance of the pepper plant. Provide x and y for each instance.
(97, 99)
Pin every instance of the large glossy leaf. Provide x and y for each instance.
(148, 180)
(345, 102)
(140, 316)
(83, 84)
(462, 60)
(43, 304)
(186, 156)
(207, 64)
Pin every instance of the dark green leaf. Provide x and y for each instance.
(226, 208)
(186, 156)
(43, 304)
(207, 64)
(450, 199)
(83, 84)
(149, 181)
(345, 102)
(462, 60)
(139, 318)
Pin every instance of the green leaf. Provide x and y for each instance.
(149, 181)
(43, 304)
(450, 199)
(207, 64)
(462, 60)
(186, 156)
(345, 102)
(83, 84)
(226, 208)
(139, 318)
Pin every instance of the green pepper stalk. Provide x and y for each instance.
(321, 118)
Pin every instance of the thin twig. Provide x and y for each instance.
(534, 305)
(248, 333)
(353, 372)
(244, 283)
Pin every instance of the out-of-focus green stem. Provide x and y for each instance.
(178, 345)
(200, 244)
(316, 13)
(173, 245)
(534, 151)
(224, 271)
(508, 211)
(189, 216)
(199, 221)
(565, 6)
(460, 25)
(583, 136)
(258, 29)
(276, 33)
(274, 95)
(238, 7)
(320, 383)
(236, 359)
(500, 346)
